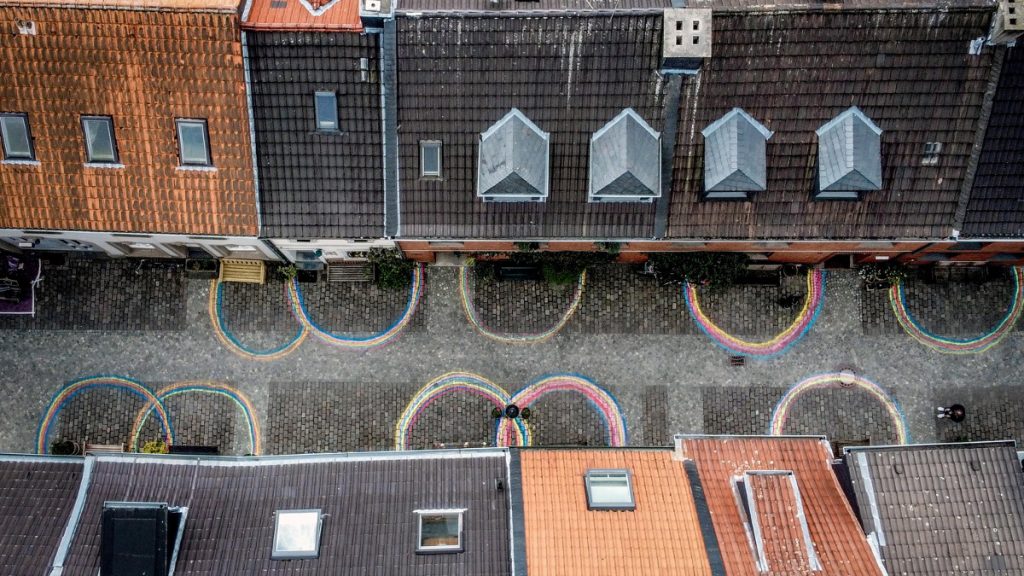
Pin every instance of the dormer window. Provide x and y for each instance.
(513, 163)
(735, 156)
(773, 510)
(849, 156)
(297, 534)
(440, 531)
(625, 161)
(609, 490)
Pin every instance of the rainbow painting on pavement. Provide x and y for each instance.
(530, 338)
(512, 431)
(780, 343)
(839, 380)
(898, 301)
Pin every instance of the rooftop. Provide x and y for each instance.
(302, 15)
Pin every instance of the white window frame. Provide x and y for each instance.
(424, 146)
(608, 473)
(89, 155)
(446, 548)
(178, 124)
(276, 554)
(932, 150)
(8, 155)
(334, 112)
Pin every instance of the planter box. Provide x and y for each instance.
(205, 269)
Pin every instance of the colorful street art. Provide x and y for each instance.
(898, 301)
(839, 380)
(780, 343)
(512, 431)
(536, 338)
(307, 326)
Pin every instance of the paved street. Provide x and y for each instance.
(629, 337)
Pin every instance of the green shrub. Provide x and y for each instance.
(717, 270)
(394, 272)
(888, 273)
(527, 246)
(610, 247)
(288, 272)
(154, 447)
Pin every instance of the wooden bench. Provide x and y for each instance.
(237, 270)
(104, 448)
(519, 273)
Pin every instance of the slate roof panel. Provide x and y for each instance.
(563, 538)
(36, 498)
(183, 64)
(839, 543)
(996, 206)
(315, 184)
(794, 71)
(570, 75)
(943, 509)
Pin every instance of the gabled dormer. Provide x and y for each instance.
(735, 151)
(625, 161)
(513, 163)
(849, 156)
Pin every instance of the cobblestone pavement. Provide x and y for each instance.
(630, 335)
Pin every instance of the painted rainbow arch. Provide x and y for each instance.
(76, 387)
(898, 301)
(474, 317)
(232, 343)
(839, 380)
(512, 432)
(777, 345)
(204, 387)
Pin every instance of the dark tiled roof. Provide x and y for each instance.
(314, 184)
(767, 5)
(369, 527)
(908, 70)
(145, 68)
(943, 509)
(506, 6)
(36, 497)
(570, 75)
(996, 208)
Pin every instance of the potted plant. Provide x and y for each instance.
(154, 447)
(882, 275)
(65, 448)
(201, 268)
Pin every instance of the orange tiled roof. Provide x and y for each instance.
(198, 5)
(315, 15)
(563, 538)
(144, 68)
(838, 541)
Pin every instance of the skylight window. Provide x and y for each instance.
(931, 153)
(100, 147)
(193, 142)
(326, 111)
(16, 137)
(439, 531)
(609, 490)
(297, 534)
(430, 158)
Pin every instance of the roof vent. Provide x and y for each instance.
(625, 161)
(735, 148)
(513, 161)
(1008, 25)
(849, 156)
(26, 27)
(140, 538)
(687, 40)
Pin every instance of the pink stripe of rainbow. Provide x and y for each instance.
(835, 380)
(209, 387)
(602, 401)
(898, 301)
(229, 341)
(780, 343)
(111, 382)
(474, 318)
(298, 307)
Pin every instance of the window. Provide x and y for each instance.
(193, 142)
(326, 111)
(440, 531)
(16, 137)
(931, 153)
(430, 158)
(100, 147)
(609, 490)
(297, 534)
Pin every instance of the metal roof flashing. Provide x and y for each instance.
(849, 155)
(625, 161)
(513, 161)
(735, 155)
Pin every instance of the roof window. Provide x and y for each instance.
(140, 538)
(16, 136)
(625, 161)
(297, 534)
(430, 158)
(609, 490)
(193, 142)
(931, 153)
(100, 146)
(440, 531)
(735, 151)
(849, 156)
(326, 104)
(513, 161)
(773, 510)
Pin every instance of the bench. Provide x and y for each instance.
(237, 270)
(103, 448)
(519, 273)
